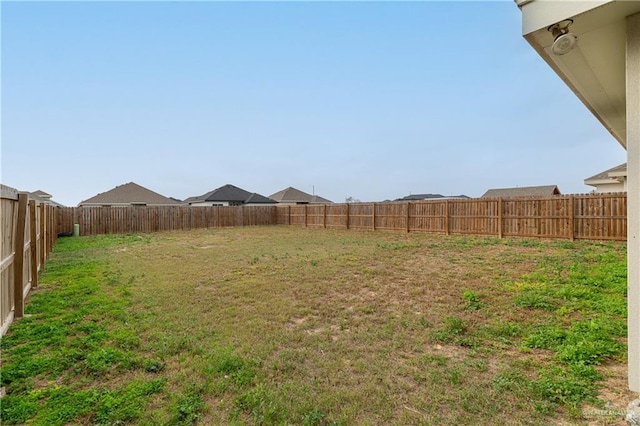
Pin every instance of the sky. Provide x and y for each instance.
(369, 100)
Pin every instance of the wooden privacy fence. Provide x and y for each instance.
(593, 216)
(134, 219)
(28, 236)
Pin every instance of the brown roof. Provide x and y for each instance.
(129, 193)
(293, 195)
(525, 191)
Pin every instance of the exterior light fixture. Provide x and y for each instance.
(564, 41)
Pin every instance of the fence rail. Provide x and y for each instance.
(28, 236)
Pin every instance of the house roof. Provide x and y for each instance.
(293, 195)
(257, 198)
(46, 198)
(230, 193)
(524, 191)
(421, 197)
(40, 193)
(417, 197)
(129, 193)
(608, 176)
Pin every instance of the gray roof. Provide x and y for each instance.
(258, 199)
(40, 193)
(418, 197)
(611, 174)
(46, 198)
(230, 193)
(524, 191)
(129, 193)
(293, 195)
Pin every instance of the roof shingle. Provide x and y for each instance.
(525, 191)
(293, 195)
(129, 193)
(232, 194)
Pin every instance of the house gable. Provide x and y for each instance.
(292, 195)
(612, 180)
(525, 191)
(128, 194)
(228, 195)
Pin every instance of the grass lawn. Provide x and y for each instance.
(281, 325)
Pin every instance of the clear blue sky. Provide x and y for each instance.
(371, 100)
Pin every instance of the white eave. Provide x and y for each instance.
(595, 68)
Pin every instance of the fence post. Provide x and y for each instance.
(408, 214)
(373, 216)
(49, 229)
(79, 212)
(45, 232)
(18, 268)
(446, 217)
(500, 225)
(347, 214)
(289, 215)
(572, 227)
(41, 239)
(324, 216)
(305, 215)
(33, 238)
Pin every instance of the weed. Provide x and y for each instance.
(261, 405)
(233, 367)
(454, 376)
(187, 409)
(424, 322)
(532, 299)
(472, 300)
(505, 329)
(563, 386)
(398, 245)
(314, 417)
(453, 328)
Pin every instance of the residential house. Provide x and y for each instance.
(44, 197)
(425, 197)
(524, 191)
(129, 194)
(292, 195)
(229, 195)
(594, 47)
(612, 180)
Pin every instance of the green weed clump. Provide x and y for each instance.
(472, 300)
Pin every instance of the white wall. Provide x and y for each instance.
(611, 187)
